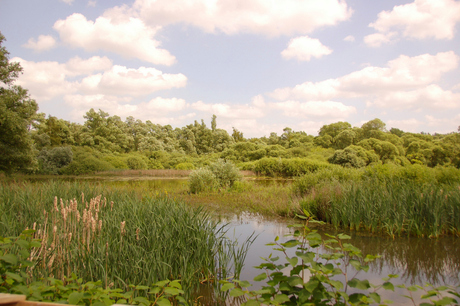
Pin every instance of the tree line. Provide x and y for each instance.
(33, 143)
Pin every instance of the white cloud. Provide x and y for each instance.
(377, 39)
(44, 80)
(43, 43)
(405, 82)
(349, 38)
(135, 82)
(304, 48)
(244, 111)
(314, 109)
(271, 18)
(420, 19)
(78, 66)
(164, 105)
(69, 2)
(92, 3)
(407, 125)
(431, 97)
(113, 105)
(127, 36)
(403, 73)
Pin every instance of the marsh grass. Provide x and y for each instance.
(119, 236)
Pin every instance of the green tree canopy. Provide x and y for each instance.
(17, 112)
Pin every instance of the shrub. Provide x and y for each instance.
(202, 180)
(226, 173)
(185, 166)
(51, 160)
(85, 165)
(117, 162)
(136, 163)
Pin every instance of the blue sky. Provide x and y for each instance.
(258, 65)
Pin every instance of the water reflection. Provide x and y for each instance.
(415, 260)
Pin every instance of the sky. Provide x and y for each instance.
(258, 65)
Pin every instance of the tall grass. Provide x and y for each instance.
(121, 238)
(395, 200)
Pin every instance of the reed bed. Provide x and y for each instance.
(396, 207)
(119, 237)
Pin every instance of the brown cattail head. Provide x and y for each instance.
(55, 204)
(137, 233)
(122, 227)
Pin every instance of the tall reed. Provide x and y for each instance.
(121, 238)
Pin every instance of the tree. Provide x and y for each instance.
(17, 112)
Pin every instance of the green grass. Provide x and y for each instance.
(162, 238)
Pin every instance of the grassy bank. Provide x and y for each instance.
(391, 200)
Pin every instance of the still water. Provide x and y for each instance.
(415, 260)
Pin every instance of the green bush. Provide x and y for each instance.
(226, 173)
(85, 165)
(326, 176)
(202, 180)
(136, 163)
(51, 160)
(185, 166)
(117, 162)
(288, 167)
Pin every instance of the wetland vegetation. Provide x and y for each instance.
(134, 243)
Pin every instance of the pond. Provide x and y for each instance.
(415, 260)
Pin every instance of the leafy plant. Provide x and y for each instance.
(313, 276)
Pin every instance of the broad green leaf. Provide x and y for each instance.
(260, 277)
(75, 298)
(14, 276)
(375, 296)
(281, 298)
(10, 258)
(356, 283)
(388, 286)
(142, 300)
(252, 303)
(236, 292)
(293, 261)
(227, 286)
(172, 291)
(343, 237)
(163, 302)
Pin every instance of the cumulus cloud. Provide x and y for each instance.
(314, 109)
(160, 104)
(407, 125)
(431, 96)
(270, 18)
(225, 110)
(43, 43)
(404, 83)
(377, 39)
(127, 81)
(401, 74)
(44, 80)
(127, 36)
(304, 48)
(420, 19)
(78, 66)
(349, 38)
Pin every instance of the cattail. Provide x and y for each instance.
(62, 203)
(100, 225)
(82, 198)
(111, 205)
(35, 224)
(54, 230)
(105, 201)
(421, 195)
(78, 216)
(55, 204)
(137, 233)
(93, 224)
(107, 249)
(70, 237)
(122, 227)
(85, 215)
